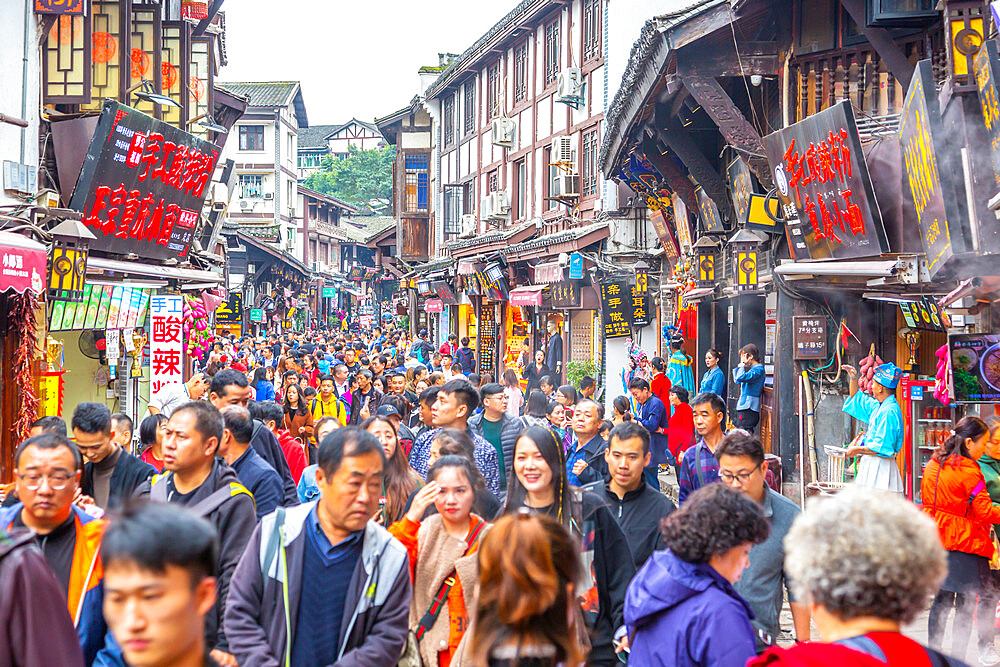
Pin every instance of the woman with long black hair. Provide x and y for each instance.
(539, 484)
(954, 492)
(399, 481)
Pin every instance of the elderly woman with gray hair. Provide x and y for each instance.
(865, 562)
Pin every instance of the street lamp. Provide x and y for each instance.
(743, 251)
(68, 266)
(147, 93)
(705, 248)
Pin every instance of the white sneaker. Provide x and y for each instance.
(988, 656)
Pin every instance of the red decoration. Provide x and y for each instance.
(22, 317)
(104, 46)
(194, 9)
(168, 76)
(140, 63)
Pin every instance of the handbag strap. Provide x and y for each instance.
(437, 604)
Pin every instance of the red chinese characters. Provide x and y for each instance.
(827, 168)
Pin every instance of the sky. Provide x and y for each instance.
(354, 58)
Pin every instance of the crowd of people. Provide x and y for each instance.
(367, 499)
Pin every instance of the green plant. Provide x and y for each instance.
(575, 370)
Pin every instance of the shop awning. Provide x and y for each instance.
(526, 296)
(23, 265)
(548, 272)
(434, 306)
(99, 265)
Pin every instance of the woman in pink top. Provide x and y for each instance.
(512, 388)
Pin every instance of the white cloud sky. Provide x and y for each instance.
(353, 58)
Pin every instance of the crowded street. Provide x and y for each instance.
(558, 333)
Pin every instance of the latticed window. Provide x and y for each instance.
(448, 122)
(251, 186)
(493, 90)
(453, 209)
(591, 29)
(552, 51)
(493, 180)
(470, 106)
(588, 160)
(521, 72)
(415, 197)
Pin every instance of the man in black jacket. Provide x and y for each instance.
(365, 399)
(230, 387)
(637, 506)
(195, 478)
(111, 475)
(466, 357)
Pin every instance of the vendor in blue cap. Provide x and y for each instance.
(877, 467)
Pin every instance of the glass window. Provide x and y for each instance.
(415, 193)
(552, 52)
(251, 186)
(520, 196)
(470, 106)
(448, 122)
(251, 137)
(493, 90)
(521, 72)
(453, 209)
(591, 29)
(588, 160)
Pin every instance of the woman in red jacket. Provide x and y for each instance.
(660, 384)
(680, 427)
(954, 492)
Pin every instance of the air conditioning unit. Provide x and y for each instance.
(268, 195)
(570, 87)
(291, 212)
(566, 185)
(219, 206)
(486, 209)
(500, 207)
(468, 226)
(245, 205)
(503, 132)
(562, 150)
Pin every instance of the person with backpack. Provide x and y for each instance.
(321, 583)
(465, 357)
(195, 478)
(442, 550)
(422, 349)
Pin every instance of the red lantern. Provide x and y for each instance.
(194, 9)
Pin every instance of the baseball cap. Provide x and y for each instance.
(387, 411)
(423, 332)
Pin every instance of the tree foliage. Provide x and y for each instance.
(360, 178)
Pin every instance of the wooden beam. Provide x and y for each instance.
(736, 129)
(886, 47)
(680, 142)
(753, 58)
(676, 179)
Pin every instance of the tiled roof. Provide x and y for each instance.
(352, 231)
(555, 239)
(270, 94)
(314, 136)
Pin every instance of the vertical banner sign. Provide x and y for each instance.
(932, 198)
(659, 220)
(575, 266)
(823, 182)
(740, 189)
(165, 342)
(708, 212)
(142, 184)
(681, 222)
(615, 310)
(987, 70)
(639, 308)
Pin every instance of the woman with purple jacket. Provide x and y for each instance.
(681, 608)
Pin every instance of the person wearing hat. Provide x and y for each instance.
(679, 370)
(877, 467)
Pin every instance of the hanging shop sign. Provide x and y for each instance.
(823, 181)
(660, 225)
(434, 306)
(68, 7)
(927, 188)
(566, 294)
(740, 189)
(329, 292)
(143, 183)
(575, 266)
(230, 311)
(809, 337)
(682, 223)
(708, 213)
(444, 292)
(256, 315)
(987, 66)
(758, 207)
(166, 351)
(356, 273)
(493, 282)
(924, 313)
(424, 288)
(615, 309)
(103, 307)
(640, 306)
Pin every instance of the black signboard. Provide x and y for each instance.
(444, 291)
(708, 213)
(821, 174)
(924, 314)
(932, 198)
(987, 71)
(657, 216)
(740, 188)
(358, 273)
(142, 184)
(809, 337)
(493, 282)
(641, 307)
(230, 311)
(565, 294)
(616, 310)
(487, 337)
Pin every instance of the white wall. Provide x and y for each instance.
(617, 361)
(13, 34)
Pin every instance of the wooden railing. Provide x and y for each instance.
(858, 74)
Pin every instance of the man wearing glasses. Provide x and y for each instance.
(742, 467)
(47, 475)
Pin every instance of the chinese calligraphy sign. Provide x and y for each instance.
(824, 185)
(616, 309)
(809, 337)
(143, 183)
(987, 70)
(166, 341)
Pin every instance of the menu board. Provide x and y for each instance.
(975, 367)
(924, 314)
(615, 311)
(102, 307)
(809, 337)
(487, 339)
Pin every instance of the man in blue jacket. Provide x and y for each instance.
(320, 583)
(651, 413)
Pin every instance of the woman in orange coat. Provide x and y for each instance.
(954, 493)
(442, 550)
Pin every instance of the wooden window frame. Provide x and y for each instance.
(414, 206)
(592, 30)
(448, 119)
(589, 169)
(469, 106)
(553, 51)
(244, 131)
(493, 91)
(521, 72)
(52, 47)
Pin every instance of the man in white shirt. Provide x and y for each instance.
(172, 396)
(446, 362)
